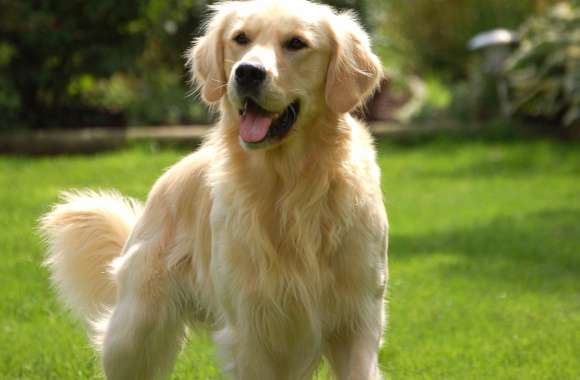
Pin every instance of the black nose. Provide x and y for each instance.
(249, 76)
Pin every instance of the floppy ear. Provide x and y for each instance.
(205, 59)
(354, 71)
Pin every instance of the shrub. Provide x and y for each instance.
(46, 44)
(433, 35)
(73, 63)
(154, 90)
(544, 73)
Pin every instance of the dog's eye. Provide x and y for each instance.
(241, 39)
(295, 43)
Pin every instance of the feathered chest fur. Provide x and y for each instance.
(282, 234)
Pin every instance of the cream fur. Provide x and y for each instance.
(281, 250)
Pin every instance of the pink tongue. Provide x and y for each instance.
(254, 127)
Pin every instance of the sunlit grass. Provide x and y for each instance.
(484, 261)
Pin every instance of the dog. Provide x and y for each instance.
(273, 233)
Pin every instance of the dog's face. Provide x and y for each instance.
(281, 64)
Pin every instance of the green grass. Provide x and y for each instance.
(484, 261)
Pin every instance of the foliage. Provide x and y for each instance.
(159, 81)
(484, 265)
(45, 44)
(361, 7)
(96, 62)
(155, 90)
(544, 73)
(427, 35)
(100, 61)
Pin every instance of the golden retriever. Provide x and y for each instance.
(273, 233)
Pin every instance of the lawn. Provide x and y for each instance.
(484, 260)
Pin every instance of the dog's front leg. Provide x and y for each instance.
(355, 357)
(353, 352)
(145, 331)
(245, 358)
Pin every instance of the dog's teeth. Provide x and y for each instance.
(245, 107)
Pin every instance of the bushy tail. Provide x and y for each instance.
(84, 234)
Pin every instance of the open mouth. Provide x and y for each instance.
(258, 125)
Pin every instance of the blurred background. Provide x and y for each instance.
(73, 64)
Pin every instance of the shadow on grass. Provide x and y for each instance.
(504, 131)
(496, 153)
(535, 252)
(517, 163)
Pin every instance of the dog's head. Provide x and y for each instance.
(281, 64)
